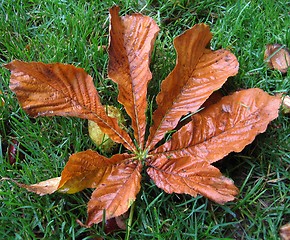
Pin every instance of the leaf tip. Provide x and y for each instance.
(114, 10)
(8, 65)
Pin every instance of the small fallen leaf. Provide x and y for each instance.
(102, 140)
(27, 47)
(116, 223)
(286, 105)
(12, 151)
(278, 57)
(285, 232)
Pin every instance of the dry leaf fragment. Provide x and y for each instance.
(115, 224)
(42, 188)
(103, 47)
(285, 232)
(12, 151)
(277, 57)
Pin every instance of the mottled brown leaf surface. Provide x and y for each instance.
(198, 72)
(227, 126)
(116, 194)
(61, 90)
(131, 43)
(186, 175)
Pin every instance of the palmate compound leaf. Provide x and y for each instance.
(131, 43)
(62, 90)
(181, 165)
(197, 74)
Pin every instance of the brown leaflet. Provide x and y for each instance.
(61, 90)
(183, 175)
(198, 72)
(116, 194)
(87, 170)
(131, 43)
(227, 126)
(83, 170)
(48, 186)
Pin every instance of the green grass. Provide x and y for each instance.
(70, 32)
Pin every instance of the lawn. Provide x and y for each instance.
(74, 32)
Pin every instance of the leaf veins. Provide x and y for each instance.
(62, 90)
